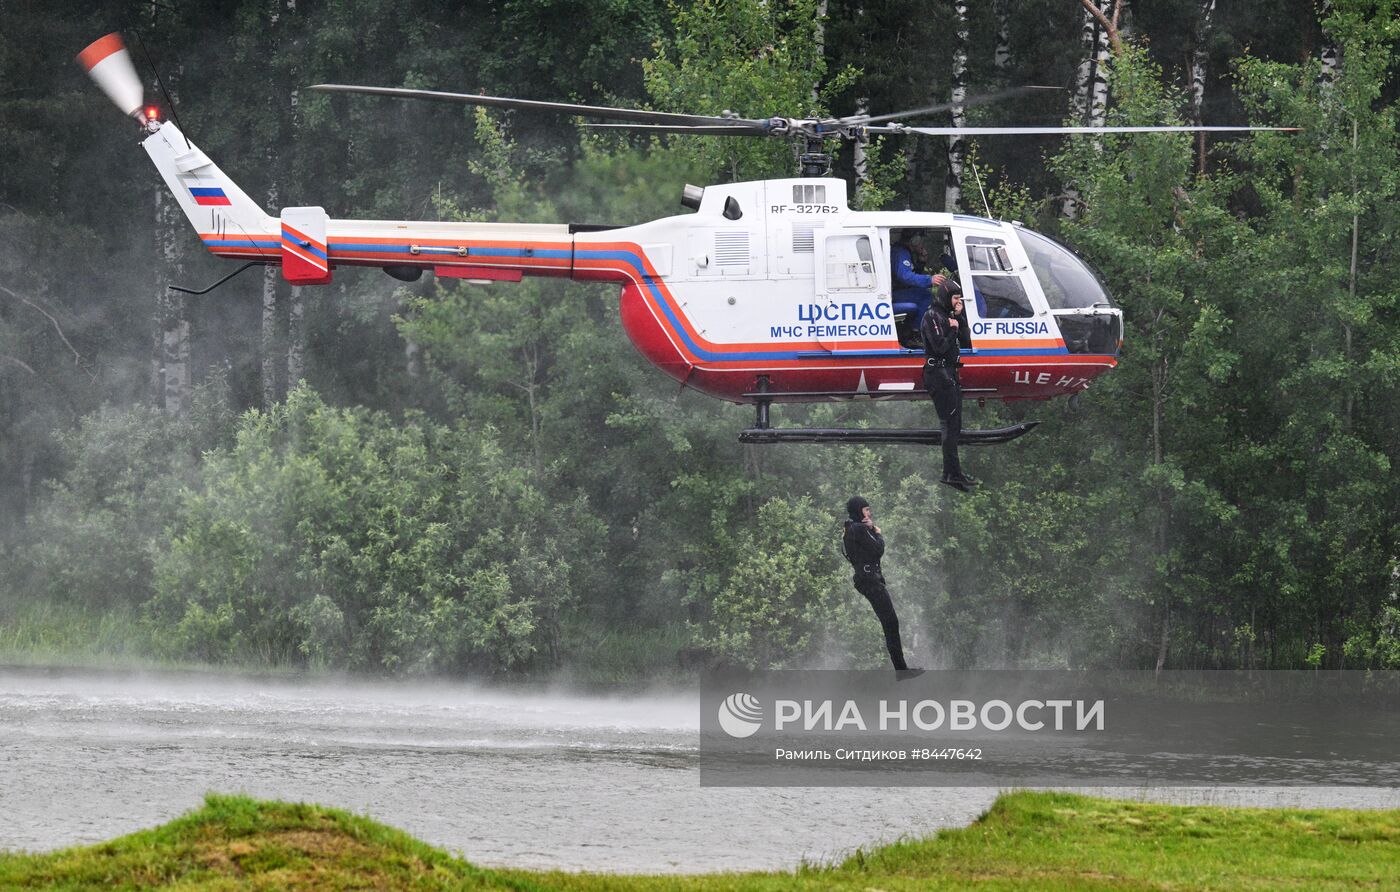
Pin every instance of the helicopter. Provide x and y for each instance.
(771, 291)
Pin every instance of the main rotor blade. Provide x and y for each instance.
(571, 108)
(693, 129)
(983, 99)
(1031, 131)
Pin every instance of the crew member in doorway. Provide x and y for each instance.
(913, 286)
(944, 331)
(864, 546)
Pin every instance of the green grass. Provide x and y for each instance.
(607, 654)
(36, 632)
(44, 634)
(1026, 841)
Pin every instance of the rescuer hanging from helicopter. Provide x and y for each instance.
(863, 546)
(944, 331)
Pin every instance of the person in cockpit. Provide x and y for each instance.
(913, 286)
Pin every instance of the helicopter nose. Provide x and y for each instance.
(1088, 320)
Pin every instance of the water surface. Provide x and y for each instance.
(503, 776)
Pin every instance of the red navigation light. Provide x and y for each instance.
(152, 113)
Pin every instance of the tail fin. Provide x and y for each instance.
(229, 222)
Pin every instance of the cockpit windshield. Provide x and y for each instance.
(1069, 282)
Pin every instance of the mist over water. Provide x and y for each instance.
(527, 777)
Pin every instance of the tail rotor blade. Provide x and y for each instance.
(107, 61)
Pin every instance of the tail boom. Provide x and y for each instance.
(308, 245)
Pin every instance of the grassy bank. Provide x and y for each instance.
(1026, 841)
(38, 633)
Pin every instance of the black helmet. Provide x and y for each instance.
(944, 297)
(855, 505)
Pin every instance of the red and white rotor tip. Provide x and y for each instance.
(107, 61)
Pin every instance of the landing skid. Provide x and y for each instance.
(911, 436)
(763, 434)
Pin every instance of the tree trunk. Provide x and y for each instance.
(1159, 387)
(172, 330)
(1079, 99)
(1002, 58)
(413, 358)
(1350, 403)
(957, 145)
(1084, 75)
(1331, 54)
(530, 385)
(271, 275)
(859, 159)
(1098, 95)
(1199, 59)
(296, 337)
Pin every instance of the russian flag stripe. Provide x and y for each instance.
(207, 196)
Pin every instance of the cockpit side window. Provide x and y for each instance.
(864, 251)
(987, 254)
(996, 287)
(1001, 297)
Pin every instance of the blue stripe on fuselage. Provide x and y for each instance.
(633, 260)
(296, 242)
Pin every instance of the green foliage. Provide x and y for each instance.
(95, 534)
(1226, 497)
(752, 59)
(884, 169)
(785, 601)
(342, 538)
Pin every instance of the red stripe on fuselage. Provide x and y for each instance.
(298, 234)
(663, 345)
(304, 255)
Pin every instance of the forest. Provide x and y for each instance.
(452, 478)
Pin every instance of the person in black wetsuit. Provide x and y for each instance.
(945, 330)
(864, 546)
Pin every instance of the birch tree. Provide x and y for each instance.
(957, 145)
(1199, 59)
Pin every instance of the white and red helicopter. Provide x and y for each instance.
(771, 291)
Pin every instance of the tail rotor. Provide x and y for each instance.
(108, 63)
